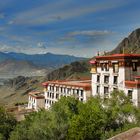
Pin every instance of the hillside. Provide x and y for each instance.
(16, 90)
(13, 68)
(75, 70)
(130, 44)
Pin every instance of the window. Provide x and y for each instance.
(57, 95)
(106, 79)
(64, 90)
(106, 90)
(73, 91)
(115, 67)
(61, 89)
(106, 66)
(52, 95)
(48, 94)
(77, 91)
(50, 102)
(115, 81)
(102, 67)
(130, 94)
(98, 78)
(134, 66)
(81, 93)
(98, 90)
(68, 90)
(57, 89)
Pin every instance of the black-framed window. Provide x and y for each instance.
(98, 89)
(57, 95)
(106, 90)
(105, 66)
(106, 79)
(98, 78)
(130, 92)
(115, 80)
(82, 93)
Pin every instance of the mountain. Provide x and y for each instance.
(13, 68)
(14, 64)
(130, 44)
(41, 60)
(75, 70)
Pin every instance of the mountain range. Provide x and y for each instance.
(16, 90)
(14, 64)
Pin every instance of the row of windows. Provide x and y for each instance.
(52, 95)
(105, 66)
(106, 91)
(106, 79)
(31, 99)
(70, 91)
(49, 102)
(56, 96)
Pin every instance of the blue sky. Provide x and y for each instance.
(75, 27)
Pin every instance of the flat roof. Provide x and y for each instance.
(115, 57)
(85, 84)
(37, 94)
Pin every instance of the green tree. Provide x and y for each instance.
(47, 125)
(120, 111)
(102, 118)
(7, 123)
(88, 124)
(64, 110)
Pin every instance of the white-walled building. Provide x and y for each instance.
(118, 71)
(36, 100)
(55, 89)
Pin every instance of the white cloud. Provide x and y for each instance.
(90, 33)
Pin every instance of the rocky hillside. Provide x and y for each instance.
(16, 90)
(130, 44)
(75, 70)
